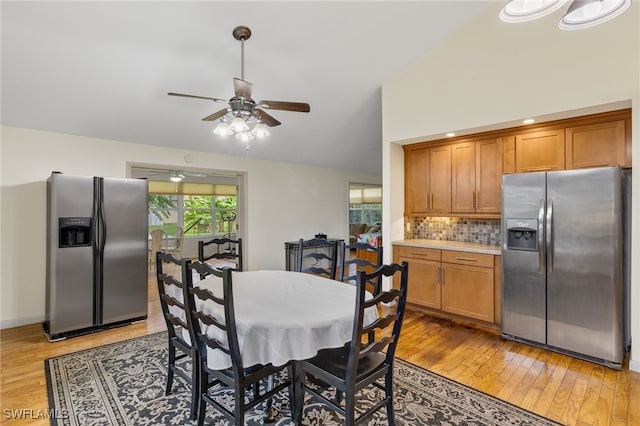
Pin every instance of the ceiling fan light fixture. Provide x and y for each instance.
(528, 10)
(223, 129)
(238, 125)
(176, 177)
(260, 130)
(588, 13)
(244, 136)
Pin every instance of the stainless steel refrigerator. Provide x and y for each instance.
(562, 262)
(96, 253)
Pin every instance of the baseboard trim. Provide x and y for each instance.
(18, 322)
(634, 365)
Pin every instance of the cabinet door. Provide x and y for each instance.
(424, 282)
(488, 175)
(468, 291)
(463, 177)
(416, 184)
(440, 179)
(540, 151)
(596, 145)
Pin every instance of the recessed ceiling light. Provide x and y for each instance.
(527, 10)
(529, 121)
(450, 134)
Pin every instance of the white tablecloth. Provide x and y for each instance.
(283, 316)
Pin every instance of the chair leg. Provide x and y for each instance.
(203, 381)
(195, 386)
(388, 390)
(297, 398)
(171, 366)
(269, 415)
(349, 408)
(238, 412)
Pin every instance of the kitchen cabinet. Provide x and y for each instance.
(451, 281)
(476, 171)
(428, 180)
(540, 151)
(424, 278)
(596, 145)
(467, 284)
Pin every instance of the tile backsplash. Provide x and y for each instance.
(481, 231)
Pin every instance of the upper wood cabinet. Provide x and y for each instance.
(462, 176)
(428, 180)
(540, 151)
(476, 171)
(596, 145)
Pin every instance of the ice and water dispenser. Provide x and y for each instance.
(522, 234)
(74, 231)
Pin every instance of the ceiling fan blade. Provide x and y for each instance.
(242, 88)
(215, 115)
(197, 97)
(266, 118)
(286, 106)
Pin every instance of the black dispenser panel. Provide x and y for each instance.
(74, 231)
(522, 234)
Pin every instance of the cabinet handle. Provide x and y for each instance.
(474, 200)
(432, 201)
(441, 271)
(477, 205)
(469, 259)
(417, 253)
(428, 203)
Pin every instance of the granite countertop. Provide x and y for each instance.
(451, 245)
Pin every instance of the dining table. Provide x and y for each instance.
(283, 316)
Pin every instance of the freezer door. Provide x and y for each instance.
(523, 265)
(124, 260)
(70, 288)
(584, 281)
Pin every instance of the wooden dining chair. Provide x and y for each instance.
(317, 256)
(359, 365)
(238, 377)
(171, 292)
(370, 259)
(157, 236)
(223, 250)
(177, 249)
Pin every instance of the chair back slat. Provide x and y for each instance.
(384, 340)
(225, 249)
(171, 293)
(345, 273)
(323, 258)
(196, 298)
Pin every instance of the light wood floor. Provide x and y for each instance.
(564, 389)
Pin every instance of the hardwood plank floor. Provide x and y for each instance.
(567, 390)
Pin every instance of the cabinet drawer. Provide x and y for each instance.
(466, 258)
(416, 252)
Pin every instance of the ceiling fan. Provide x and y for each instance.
(242, 111)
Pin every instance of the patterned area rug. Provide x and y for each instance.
(123, 384)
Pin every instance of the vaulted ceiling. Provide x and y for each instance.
(103, 69)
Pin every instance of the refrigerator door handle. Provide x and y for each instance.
(541, 235)
(549, 235)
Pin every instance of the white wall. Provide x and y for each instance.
(491, 75)
(284, 202)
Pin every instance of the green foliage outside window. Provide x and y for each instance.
(197, 213)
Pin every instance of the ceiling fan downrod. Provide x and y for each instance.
(241, 33)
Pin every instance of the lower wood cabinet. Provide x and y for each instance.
(425, 273)
(456, 282)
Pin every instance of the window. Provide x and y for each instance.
(365, 213)
(365, 203)
(199, 215)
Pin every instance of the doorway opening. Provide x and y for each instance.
(365, 211)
